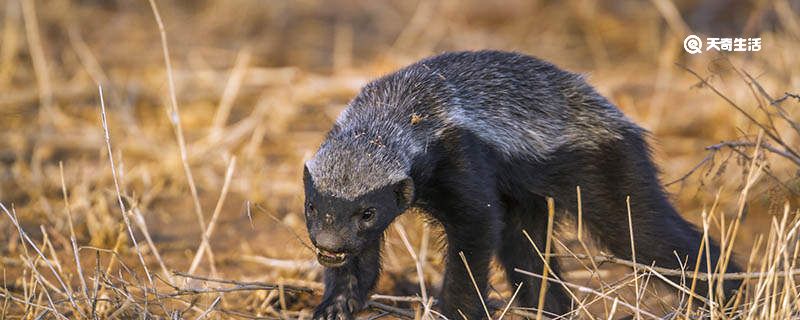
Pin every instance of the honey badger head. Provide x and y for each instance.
(353, 191)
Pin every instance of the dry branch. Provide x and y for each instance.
(602, 259)
(122, 209)
(244, 284)
(175, 120)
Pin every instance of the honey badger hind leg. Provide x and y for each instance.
(623, 171)
(515, 251)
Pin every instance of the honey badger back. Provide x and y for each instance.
(478, 139)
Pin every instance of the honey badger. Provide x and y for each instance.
(477, 140)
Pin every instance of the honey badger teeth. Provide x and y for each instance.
(331, 259)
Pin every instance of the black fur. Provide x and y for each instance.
(478, 140)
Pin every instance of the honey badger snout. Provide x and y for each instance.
(329, 241)
(330, 249)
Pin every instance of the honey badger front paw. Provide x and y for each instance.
(339, 308)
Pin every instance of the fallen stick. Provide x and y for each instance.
(256, 285)
(674, 272)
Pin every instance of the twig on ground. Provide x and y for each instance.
(175, 120)
(210, 308)
(204, 246)
(260, 285)
(417, 263)
(474, 284)
(231, 90)
(138, 217)
(397, 298)
(587, 290)
(633, 256)
(510, 301)
(287, 227)
(733, 104)
(407, 314)
(299, 265)
(546, 256)
(734, 146)
(766, 146)
(117, 187)
(786, 95)
(689, 173)
(601, 259)
(546, 261)
(73, 241)
(67, 292)
(38, 57)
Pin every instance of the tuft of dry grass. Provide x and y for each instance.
(217, 104)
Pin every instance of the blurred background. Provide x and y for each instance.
(258, 83)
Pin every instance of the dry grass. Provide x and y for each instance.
(106, 199)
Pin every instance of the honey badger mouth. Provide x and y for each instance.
(331, 259)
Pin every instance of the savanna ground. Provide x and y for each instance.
(208, 146)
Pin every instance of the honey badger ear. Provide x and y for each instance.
(405, 193)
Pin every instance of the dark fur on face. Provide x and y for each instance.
(340, 227)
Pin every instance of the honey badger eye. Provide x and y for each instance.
(368, 214)
(309, 206)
